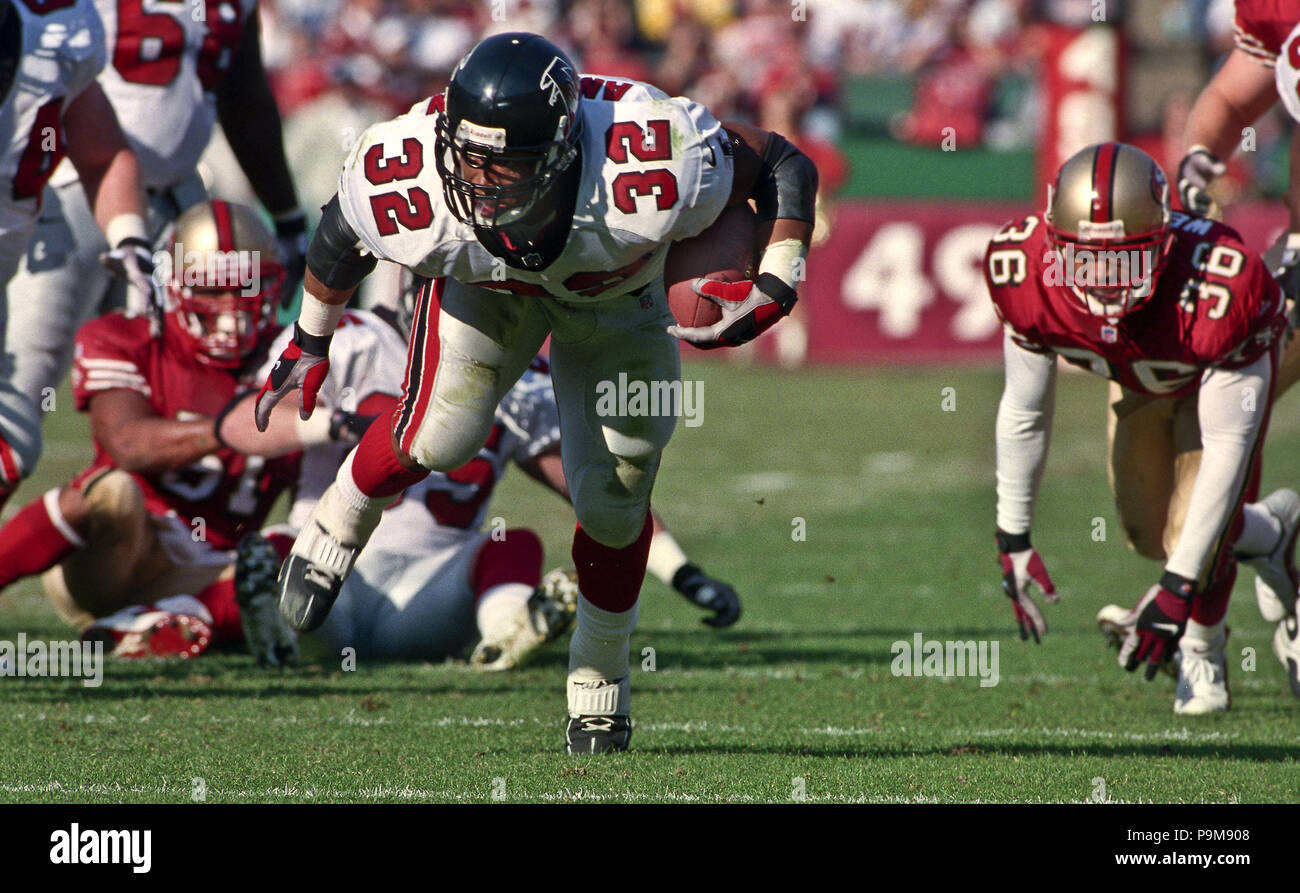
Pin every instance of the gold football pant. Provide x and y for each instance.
(1153, 453)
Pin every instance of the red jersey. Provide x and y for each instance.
(1214, 304)
(230, 492)
(1261, 26)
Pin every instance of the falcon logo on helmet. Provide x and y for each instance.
(224, 282)
(509, 128)
(1108, 219)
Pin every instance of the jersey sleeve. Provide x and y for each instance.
(708, 168)
(110, 354)
(390, 192)
(1007, 273)
(530, 412)
(1241, 314)
(1257, 29)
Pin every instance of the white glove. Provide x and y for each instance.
(132, 261)
(1196, 172)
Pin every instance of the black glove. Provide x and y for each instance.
(1161, 616)
(710, 594)
(291, 237)
(348, 427)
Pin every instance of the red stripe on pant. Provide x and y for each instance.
(10, 471)
(421, 366)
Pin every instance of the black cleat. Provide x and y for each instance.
(597, 734)
(312, 577)
(268, 636)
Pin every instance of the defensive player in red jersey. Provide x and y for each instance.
(138, 548)
(1188, 322)
(545, 204)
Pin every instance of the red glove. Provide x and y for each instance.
(1161, 618)
(304, 364)
(749, 308)
(1021, 567)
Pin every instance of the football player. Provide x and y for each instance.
(174, 69)
(50, 106)
(1261, 69)
(1187, 321)
(430, 581)
(138, 548)
(547, 204)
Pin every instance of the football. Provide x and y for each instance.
(724, 251)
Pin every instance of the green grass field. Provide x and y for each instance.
(796, 699)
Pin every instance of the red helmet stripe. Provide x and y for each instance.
(1103, 182)
(225, 229)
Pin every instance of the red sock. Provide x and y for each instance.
(515, 559)
(375, 468)
(611, 578)
(1211, 606)
(31, 543)
(219, 599)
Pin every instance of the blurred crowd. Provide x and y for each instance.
(789, 65)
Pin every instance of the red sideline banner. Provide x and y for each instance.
(902, 282)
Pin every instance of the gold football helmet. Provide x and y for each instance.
(224, 281)
(1108, 217)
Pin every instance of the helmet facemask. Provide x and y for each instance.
(511, 179)
(225, 321)
(1111, 274)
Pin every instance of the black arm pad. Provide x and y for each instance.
(333, 256)
(787, 182)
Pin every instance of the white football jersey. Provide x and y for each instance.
(367, 357)
(62, 52)
(165, 57)
(654, 169)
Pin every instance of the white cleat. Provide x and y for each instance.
(1286, 645)
(1276, 577)
(1202, 678)
(548, 612)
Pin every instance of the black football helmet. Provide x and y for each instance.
(513, 112)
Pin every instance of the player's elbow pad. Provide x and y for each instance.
(333, 256)
(787, 182)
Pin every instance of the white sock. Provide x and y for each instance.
(1205, 635)
(598, 649)
(666, 557)
(346, 512)
(1260, 532)
(498, 605)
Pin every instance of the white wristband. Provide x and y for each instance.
(315, 430)
(125, 226)
(666, 557)
(1292, 242)
(318, 318)
(785, 261)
